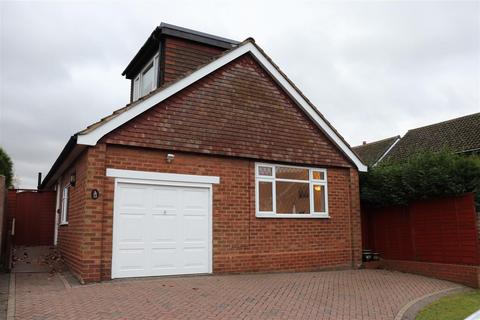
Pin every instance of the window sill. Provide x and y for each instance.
(293, 215)
(63, 224)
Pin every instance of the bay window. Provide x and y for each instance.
(290, 192)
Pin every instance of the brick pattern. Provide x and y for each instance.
(236, 111)
(71, 241)
(241, 242)
(467, 275)
(355, 222)
(183, 56)
(358, 294)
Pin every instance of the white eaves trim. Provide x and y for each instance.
(91, 138)
(160, 176)
(386, 152)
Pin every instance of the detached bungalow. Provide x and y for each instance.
(218, 164)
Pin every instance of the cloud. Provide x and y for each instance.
(374, 69)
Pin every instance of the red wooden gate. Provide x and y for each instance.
(32, 216)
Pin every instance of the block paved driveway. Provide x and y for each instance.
(349, 294)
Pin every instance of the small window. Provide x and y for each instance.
(265, 171)
(291, 173)
(136, 88)
(64, 213)
(291, 192)
(146, 81)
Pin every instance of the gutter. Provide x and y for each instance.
(67, 150)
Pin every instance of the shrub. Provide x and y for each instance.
(6, 167)
(424, 176)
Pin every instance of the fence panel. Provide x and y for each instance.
(438, 230)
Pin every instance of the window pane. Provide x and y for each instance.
(291, 173)
(147, 80)
(265, 196)
(319, 198)
(292, 197)
(318, 175)
(265, 171)
(136, 88)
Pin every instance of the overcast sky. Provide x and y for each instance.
(374, 69)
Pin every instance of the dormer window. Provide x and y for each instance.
(146, 81)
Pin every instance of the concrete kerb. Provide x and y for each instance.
(411, 309)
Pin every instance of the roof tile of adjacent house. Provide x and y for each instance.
(372, 152)
(458, 135)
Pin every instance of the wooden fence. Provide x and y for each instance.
(439, 230)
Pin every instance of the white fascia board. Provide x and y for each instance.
(91, 138)
(160, 176)
(386, 152)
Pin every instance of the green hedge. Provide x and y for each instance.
(424, 176)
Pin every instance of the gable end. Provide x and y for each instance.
(91, 136)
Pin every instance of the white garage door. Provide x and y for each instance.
(160, 230)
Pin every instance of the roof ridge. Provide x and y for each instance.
(378, 141)
(445, 121)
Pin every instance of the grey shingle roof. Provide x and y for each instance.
(457, 135)
(371, 152)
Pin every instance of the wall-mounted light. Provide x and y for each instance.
(73, 179)
(170, 157)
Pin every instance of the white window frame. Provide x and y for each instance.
(64, 204)
(273, 179)
(138, 80)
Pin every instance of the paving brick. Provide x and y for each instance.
(349, 294)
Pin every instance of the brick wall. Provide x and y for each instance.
(241, 242)
(464, 274)
(71, 241)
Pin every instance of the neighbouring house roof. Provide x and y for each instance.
(91, 135)
(460, 135)
(371, 153)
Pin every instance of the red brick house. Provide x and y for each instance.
(218, 164)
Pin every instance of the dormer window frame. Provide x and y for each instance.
(139, 79)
